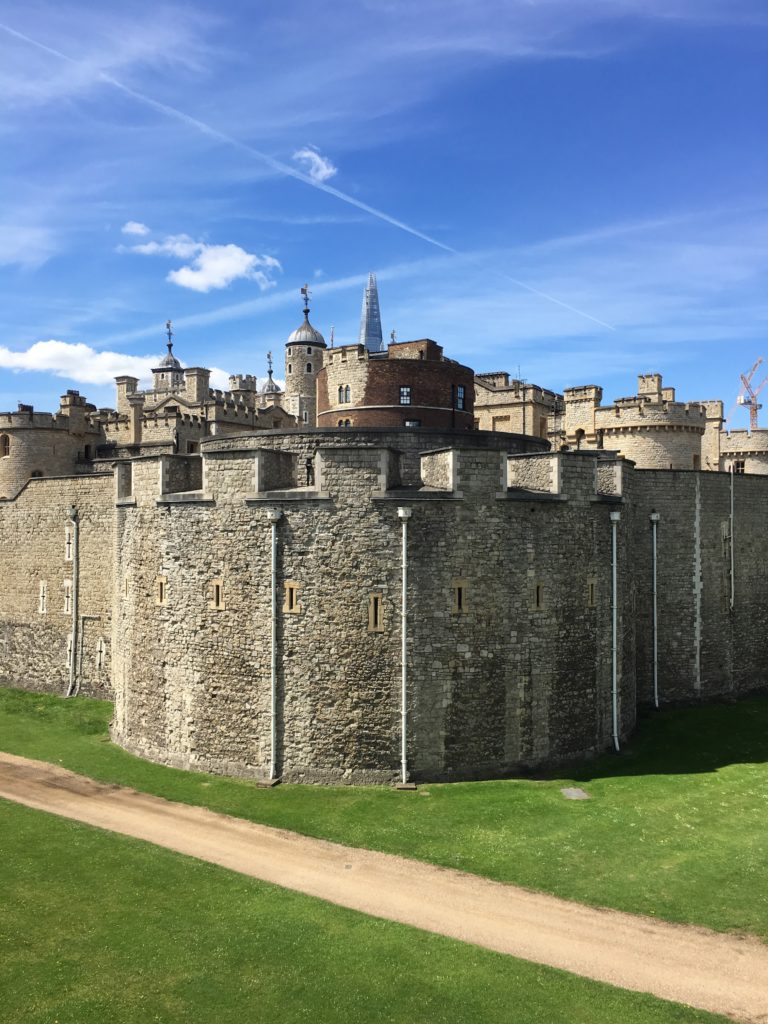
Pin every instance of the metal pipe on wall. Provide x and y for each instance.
(732, 602)
(404, 514)
(615, 517)
(273, 516)
(655, 517)
(73, 518)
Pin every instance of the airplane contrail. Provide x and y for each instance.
(288, 170)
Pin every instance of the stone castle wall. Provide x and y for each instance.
(509, 600)
(520, 677)
(33, 528)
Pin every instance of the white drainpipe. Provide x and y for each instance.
(73, 519)
(733, 552)
(404, 515)
(273, 515)
(655, 517)
(615, 517)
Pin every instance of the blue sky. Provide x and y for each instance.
(573, 187)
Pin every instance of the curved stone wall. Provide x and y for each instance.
(514, 674)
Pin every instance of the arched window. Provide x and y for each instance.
(309, 350)
(347, 423)
(5, 445)
(346, 393)
(340, 423)
(309, 367)
(341, 393)
(580, 434)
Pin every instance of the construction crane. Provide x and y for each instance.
(748, 394)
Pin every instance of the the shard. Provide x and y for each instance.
(370, 320)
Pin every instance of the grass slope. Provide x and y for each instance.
(676, 826)
(97, 927)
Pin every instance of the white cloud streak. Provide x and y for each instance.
(278, 165)
(318, 167)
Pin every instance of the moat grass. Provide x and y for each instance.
(676, 827)
(96, 927)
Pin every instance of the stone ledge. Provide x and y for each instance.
(406, 494)
(186, 498)
(297, 494)
(523, 494)
(125, 503)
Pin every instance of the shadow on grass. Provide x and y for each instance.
(688, 740)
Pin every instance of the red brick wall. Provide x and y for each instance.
(375, 393)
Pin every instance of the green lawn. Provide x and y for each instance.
(99, 928)
(677, 825)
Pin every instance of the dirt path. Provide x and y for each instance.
(720, 973)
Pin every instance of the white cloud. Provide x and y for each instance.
(134, 227)
(211, 266)
(217, 266)
(28, 246)
(318, 167)
(77, 362)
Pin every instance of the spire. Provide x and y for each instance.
(370, 320)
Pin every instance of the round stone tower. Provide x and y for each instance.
(303, 360)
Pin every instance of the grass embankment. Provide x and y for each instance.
(96, 927)
(675, 827)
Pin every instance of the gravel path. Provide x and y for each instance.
(721, 973)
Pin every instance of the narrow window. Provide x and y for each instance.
(538, 596)
(341, 394)
(5, 446)
(216, 595)
(591, 592)
(291, 603)
(306, 416)
(459, 597)
(460, 396)
(340, 423)
(405, 395)
(309, 351)
(161, 590)
(375, 613)
(290, 368)
(67, 543)
(67, 597)
(42, 605)
(309, 367)
(347, 423)
(101, 652)
(347, 393)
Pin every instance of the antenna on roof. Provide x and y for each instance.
(332, 330)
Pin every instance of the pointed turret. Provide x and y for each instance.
(370, 320)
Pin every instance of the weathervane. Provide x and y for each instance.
(269, 363)
(306, 293)
(169, 332)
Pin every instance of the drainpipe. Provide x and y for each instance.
(273, 515)
(404, 514)
(73, 519)
(655, 517)
(615, 517)
(732, 601)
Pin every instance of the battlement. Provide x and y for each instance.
(641, 412)
(584, 393)
(243, 382)
(743, 441)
